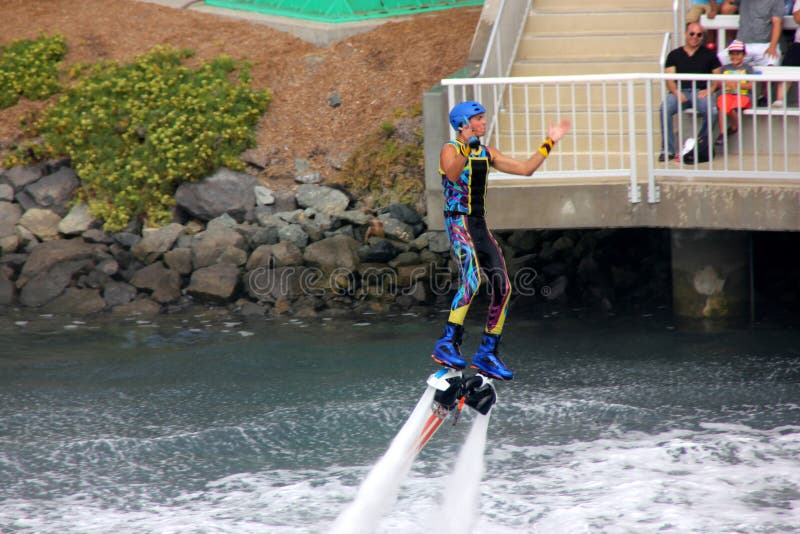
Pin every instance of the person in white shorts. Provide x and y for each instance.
(760, 29)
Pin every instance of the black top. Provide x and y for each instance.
(703, 61)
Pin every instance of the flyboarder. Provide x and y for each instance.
(464, 165)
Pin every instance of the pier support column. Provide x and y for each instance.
(711, 275)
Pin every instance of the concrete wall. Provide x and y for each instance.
(555, 204)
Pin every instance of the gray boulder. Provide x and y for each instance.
(225, 191)
(20, 176)
(77, 301)
(222, 222)
(139, 307)
(264, 196)
(286, 254)
(323, 199)
(405, 258)
(43, 223)
(118, 293)
(284, 201)
(164, 284)
(54, 190)
(264, 236)
(438, 242)
(7, 290)
(77, 221)
(395, 228)
(402, 212)
(358, 217)
(216, 283)
(337, 252)
(380, 251)
(45, 255)
(293, 233)
(108, 266)
(126, 239)
(9, 216)
(47, 285)
(6, 193)
(96, 235)
(279, 284)
(312, 177)
(261, 257)
(156, 242)
(234, 256)
(209, 246)
(179, 259)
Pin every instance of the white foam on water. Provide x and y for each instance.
(712, 478)
(379, 491)
(723, 478)
(460, 506)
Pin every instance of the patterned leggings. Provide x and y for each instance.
(477, 252)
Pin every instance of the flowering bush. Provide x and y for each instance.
(388, 167)
(135, 131)
(29, 68)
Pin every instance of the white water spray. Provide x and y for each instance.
(379, 490)
(460, 506)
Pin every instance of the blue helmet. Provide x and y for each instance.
(463, 112)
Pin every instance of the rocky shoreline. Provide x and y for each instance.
(312, 252)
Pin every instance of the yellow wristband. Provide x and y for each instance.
(547, 146)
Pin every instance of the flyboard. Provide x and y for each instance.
(452, 390)
(447, 392)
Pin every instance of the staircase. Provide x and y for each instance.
(571, 37)
(564, 37)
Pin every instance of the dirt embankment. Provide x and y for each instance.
(373, 74)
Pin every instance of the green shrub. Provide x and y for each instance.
(29, 68)
(388, 166)
(135, 131)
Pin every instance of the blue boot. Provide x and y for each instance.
(487, 361)
(447, 350)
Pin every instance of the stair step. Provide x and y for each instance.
(569, 68)
(572, 143)
(582, 160)
(606, 46)
(578, 95)
(602, 5)
(557, 23)
(538, 120)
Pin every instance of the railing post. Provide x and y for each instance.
(653, 194)
(634, 194)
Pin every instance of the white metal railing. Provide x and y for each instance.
(616, 127)
(679, 8)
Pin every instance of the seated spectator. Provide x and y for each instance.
(729, 7)
(792, 57)
(760, 28)
(736, 93)
(691, 58)
(709, 8)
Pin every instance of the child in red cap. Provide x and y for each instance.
(735, 94)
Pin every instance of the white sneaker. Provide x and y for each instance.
(777, 104)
